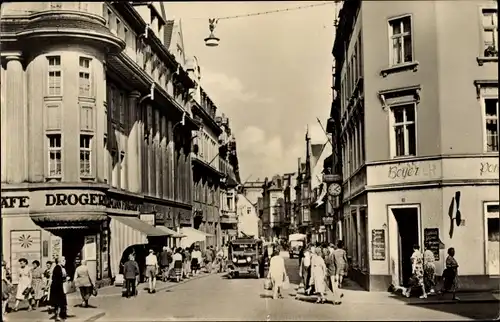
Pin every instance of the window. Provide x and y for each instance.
(249, 210)
(108, 15)
(490, 32)
(491, 124)
(55, 155)
(121, 107)
(85, 154)
(403, 118)
(401, 41)
(55, 76)
(84, 77)
(492, 232)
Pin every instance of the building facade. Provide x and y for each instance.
(248, 218)
(273, 216)
(96, 133)
(420, 162)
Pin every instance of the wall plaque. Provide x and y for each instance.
(431, 241)
(378, 244)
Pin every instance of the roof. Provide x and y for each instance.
(169, 27)
(143, 227)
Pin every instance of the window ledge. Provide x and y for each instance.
(54, 179)
(482, 60)
(86, 178)
(53, 98)
(404, 158)
(399, 68)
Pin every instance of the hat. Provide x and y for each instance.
(151, 251)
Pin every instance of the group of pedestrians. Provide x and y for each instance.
(37, 286)
(322, 269)
(424, 273)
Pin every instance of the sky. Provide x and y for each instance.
(271, 75)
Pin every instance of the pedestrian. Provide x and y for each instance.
(318, 274)
(330, 276)
(151, 271)
(177, 259)
(57, 297)
(47, 278)
(208, 260)
(429, 270)
(6, 288)
(417, 263)
(84, 282)
(340, 263)
(301, 254)
(130, 273)
(24, 291)
(450, 275)
(165, 259)
(277, 274)
(37, 283)
(187, 262)
(305, 270)
(196, 260)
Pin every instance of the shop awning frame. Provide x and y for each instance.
(141, 226)
(172, 233)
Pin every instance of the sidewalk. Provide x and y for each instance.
(354, 294)
(91, 314)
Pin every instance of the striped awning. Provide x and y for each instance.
(125, 232)
(171, 232)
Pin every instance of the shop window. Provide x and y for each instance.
(55, 155)
(85, 155)
(54, 75)
(493, 239)
(84, 80)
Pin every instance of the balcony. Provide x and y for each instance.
(228, 217)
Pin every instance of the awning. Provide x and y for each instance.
(193, 236)
(172, 233)
(321, 197)
(125, 232)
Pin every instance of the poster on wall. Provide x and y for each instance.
(90, 248)
(24, 244)
(105, 253)
(55, 247)
(432, 241)
(378, 244)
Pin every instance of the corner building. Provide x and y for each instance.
(416, 91)
(96, 133)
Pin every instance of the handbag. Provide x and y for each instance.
(94, 291)
(67, 287)
(268, 284)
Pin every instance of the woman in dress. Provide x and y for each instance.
(340, 257)
(37, 283)
(417, 263)
(318, 275)
(24, 284)
(177, 259)
(450, 274)
(57, 297)
(84, 282)
(277, 274)
(429, 270)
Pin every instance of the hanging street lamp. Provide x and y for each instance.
(211, 40)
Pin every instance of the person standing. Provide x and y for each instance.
(277, 274)
(6, 287)
(340, 263)
(318, 274)
(151, 271)
(57, 297)
(24, 284)
(450, 275)
(37, 283)
(429, 270)
(130, 273)
(84, 282)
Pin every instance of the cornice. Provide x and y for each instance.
(199, 110)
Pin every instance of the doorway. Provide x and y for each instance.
(407, 228)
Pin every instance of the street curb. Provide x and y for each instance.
(453, 302)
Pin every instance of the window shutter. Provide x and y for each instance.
(86, 118)
(53, 117)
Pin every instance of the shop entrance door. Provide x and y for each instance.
(405, 236)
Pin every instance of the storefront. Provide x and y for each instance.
(97, 226)
(438, 203)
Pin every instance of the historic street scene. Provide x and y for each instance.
(250, 161)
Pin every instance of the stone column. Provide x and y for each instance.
(133, 145)
(16, 118)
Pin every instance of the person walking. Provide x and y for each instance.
(165, 260)
(24, 291)
(305, 270)
(340, 263)
(37, 283)
(429, 270)
(57, 298)
(277, 274)
(151, 271)
(318, 275)
(331, 276)
(450, 275)
(84, 282)
(6, 289)
(196, 260)
(178, 263)
(417, 264)
(130, 273)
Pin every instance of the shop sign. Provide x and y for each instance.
(404, 172)
(55, 246)
(148, 218)
(328, 220)
(432, 241)
(488, 168)
(378, 244)
(15, 202)
(90, 199)
(24, 244)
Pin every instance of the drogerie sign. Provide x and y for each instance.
(73, 199)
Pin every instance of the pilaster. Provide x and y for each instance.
(133, 147)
